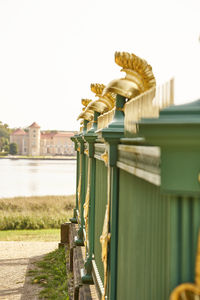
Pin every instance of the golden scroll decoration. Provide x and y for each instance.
(105, 238)
(86, 152)
(104, 157)
(86, 205)
(189, 291)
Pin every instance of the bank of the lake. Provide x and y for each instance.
(38, 157)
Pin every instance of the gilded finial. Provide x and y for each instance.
(105, 102)
(139, 76)
(97, 88)
(86, 114)
(85, 102)
(131, 62)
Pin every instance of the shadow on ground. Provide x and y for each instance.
(12, 271)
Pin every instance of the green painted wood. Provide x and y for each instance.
(83, 187)
(100, 206)
(114, 232)
(91, 215)
(85, 178)
(186, 240)
(175, 241)
(143, 247)
(157, 240)
(90, 138)
(77, 177)
(185, 224)
(75, 219)
(195, 229)
(177, 132)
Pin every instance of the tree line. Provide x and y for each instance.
(5, 146)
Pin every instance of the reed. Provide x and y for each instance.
(41, 212)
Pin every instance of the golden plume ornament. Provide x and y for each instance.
(104, 102)
(97, 88)
(86, 114)
(136, 66)
(139, 76)
(85, 102)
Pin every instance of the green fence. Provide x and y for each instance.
(144, 194)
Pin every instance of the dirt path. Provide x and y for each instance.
(16, 258)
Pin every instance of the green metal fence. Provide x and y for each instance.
(144, 196)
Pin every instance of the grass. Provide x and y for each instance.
(42, 212)
(50, 273)
(45, 235)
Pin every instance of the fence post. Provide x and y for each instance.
(81, 189)
(90, 137)
(112, 135)
(74, 139)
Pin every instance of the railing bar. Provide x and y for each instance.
(150, 177)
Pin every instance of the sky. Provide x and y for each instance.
(52, 50)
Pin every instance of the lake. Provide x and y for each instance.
(23, 177)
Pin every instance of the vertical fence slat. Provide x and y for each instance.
(100, 206)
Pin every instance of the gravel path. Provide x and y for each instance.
(16, 258)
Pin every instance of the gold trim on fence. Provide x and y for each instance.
(105, 119)
(105, 238)
(104, 157)
(189, 290)
(86, 205)
(148, 105)
(79, 191)
(86, 151)
(197, 267)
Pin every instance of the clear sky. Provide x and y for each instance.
(52, 50)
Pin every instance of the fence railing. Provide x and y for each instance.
(140, 207)
(147, 105)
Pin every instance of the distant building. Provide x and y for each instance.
(35, 142)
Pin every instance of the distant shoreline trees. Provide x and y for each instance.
(5, 132)
(13, 149)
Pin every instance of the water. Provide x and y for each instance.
(24, 177)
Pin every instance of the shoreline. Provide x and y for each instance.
(39, 158)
